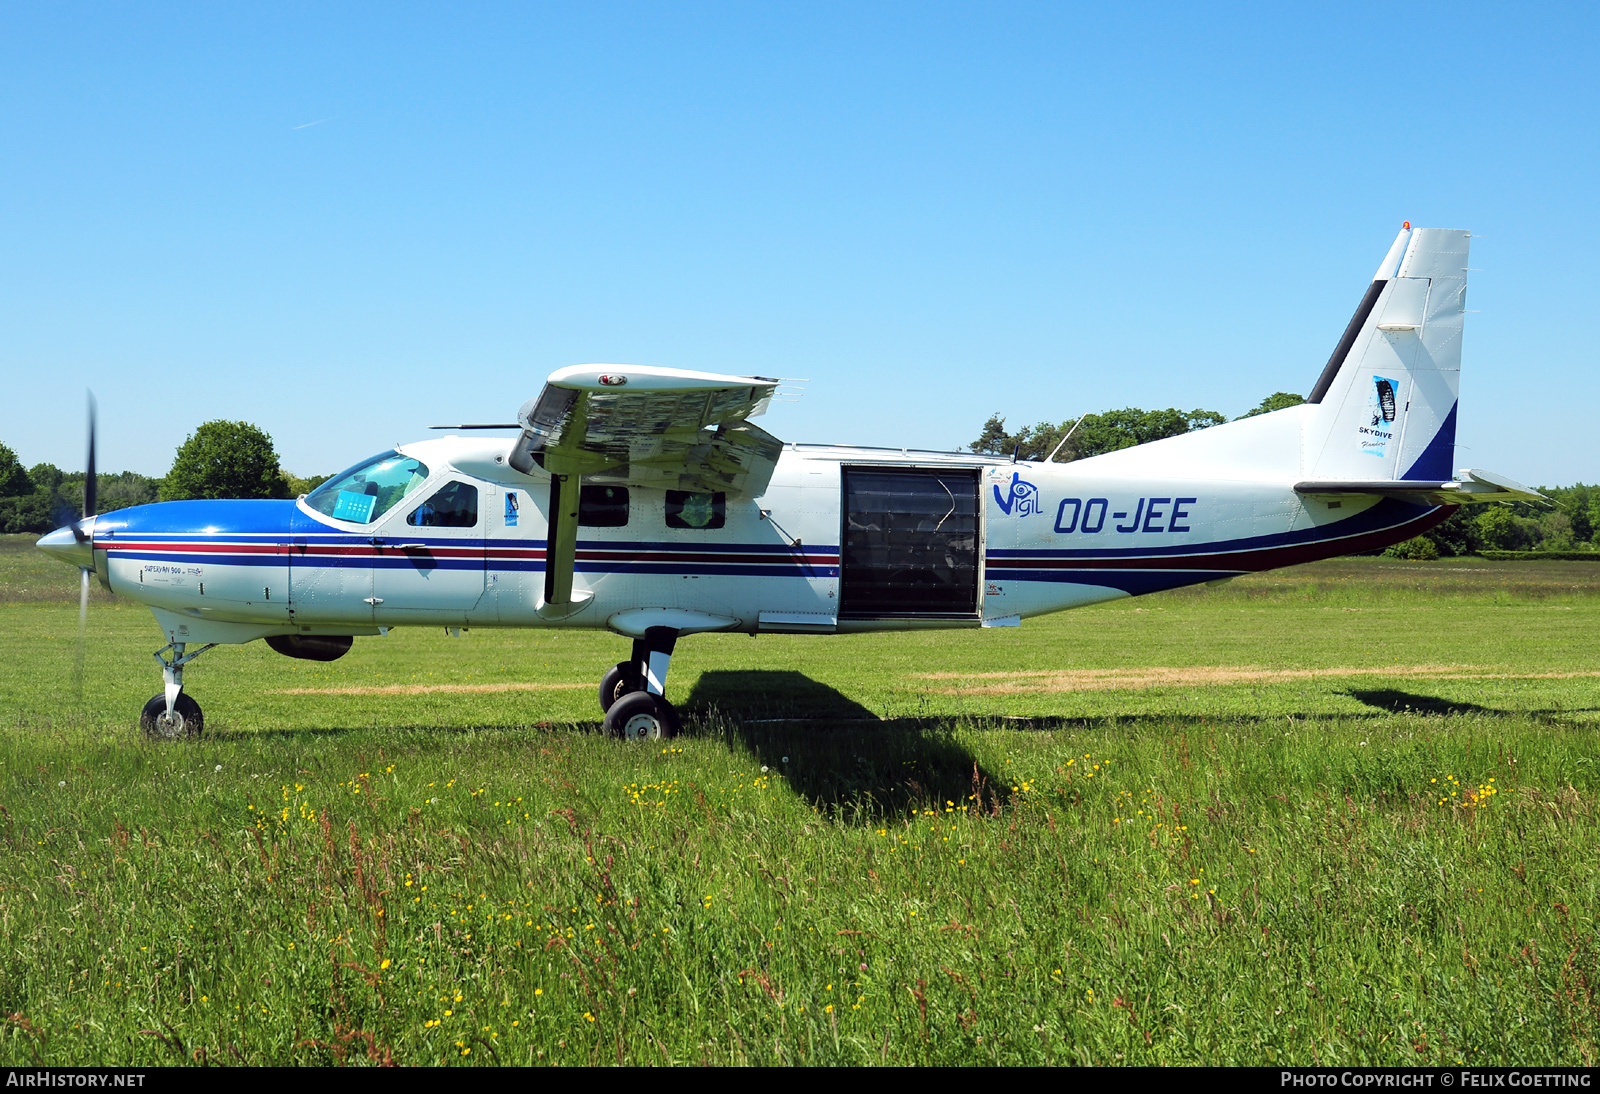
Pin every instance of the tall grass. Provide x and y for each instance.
(844, 860)
(1420, 890)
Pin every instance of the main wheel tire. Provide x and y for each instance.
(621, 680)
(187, 720)
(641, 716)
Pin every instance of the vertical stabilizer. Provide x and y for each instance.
(1387, 398)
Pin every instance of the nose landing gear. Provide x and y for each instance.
(173, 715)
(631, 693)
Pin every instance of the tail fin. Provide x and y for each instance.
(1388, 393)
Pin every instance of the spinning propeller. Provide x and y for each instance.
(81, 532)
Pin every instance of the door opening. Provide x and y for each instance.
(910, 542)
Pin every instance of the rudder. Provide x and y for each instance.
(1388, 394)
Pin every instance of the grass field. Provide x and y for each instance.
(1343, 814)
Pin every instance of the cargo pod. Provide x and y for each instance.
(910, 543)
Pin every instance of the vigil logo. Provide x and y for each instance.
(1020, 497)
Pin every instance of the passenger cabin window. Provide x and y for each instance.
(687, 510)
(370, 489)
(455, 505)
(603, 506)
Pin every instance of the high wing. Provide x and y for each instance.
(623, 425)
(666, 428)
(1470, 485)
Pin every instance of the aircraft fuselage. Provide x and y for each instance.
(842, 540)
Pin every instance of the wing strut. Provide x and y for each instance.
(561, 542)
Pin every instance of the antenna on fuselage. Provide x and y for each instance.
(1065, 439)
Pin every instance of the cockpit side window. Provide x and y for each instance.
(602, 506)
(453, 506)
(369, 489)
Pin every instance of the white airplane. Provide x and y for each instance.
(643, 501)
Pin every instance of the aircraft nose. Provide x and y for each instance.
(64, 545)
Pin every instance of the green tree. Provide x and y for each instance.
(117, 490)
(993, 437)
(18, 509)
(225, 460)
(1417, 549)
(1579, 504)
(127, 489)
(1555, 531)
(1094, 435)
(1457, 534)
(35, 512)
(14, 480)
(39, 505)
(1500, 530)
(297, 486)
(1276, 401)
(46, 476)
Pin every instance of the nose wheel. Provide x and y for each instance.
(184, 720)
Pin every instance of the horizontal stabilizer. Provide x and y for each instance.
(1469, 486)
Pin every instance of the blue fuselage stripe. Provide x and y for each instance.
(1387, 513)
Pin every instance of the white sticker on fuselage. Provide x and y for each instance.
(171, 576)
(1378, 426)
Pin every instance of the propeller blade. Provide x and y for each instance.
(91, 483)
(83, 631)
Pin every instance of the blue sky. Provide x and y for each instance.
(346, 223)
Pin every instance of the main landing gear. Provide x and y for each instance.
(631, 692)
(173, 715)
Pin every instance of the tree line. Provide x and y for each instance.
(220, 459)
(1570, 523)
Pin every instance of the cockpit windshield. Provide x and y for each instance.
(369, 489)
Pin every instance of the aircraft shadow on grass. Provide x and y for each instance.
(1404, 702)
(835, 752)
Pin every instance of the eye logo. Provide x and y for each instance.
(1021, 497)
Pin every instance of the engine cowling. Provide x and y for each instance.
(312, 647)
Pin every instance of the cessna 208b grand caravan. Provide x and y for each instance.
(642, 500)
